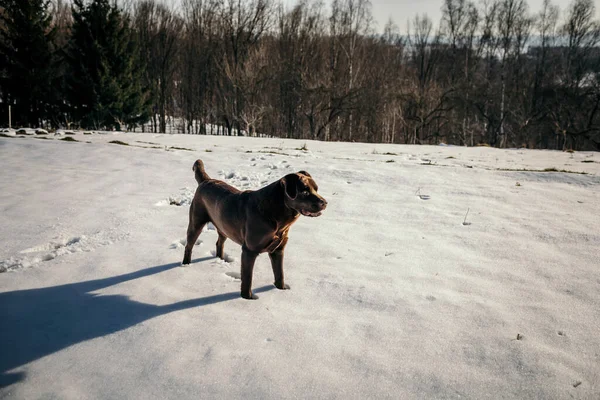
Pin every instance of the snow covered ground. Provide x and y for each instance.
(394, 294)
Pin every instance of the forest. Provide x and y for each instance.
(491, 72)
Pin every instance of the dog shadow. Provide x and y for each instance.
(39, 322)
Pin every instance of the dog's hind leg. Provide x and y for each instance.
(198, 218)
(220, 243)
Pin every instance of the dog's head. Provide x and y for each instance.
(301, 194)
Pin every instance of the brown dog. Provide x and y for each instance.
(257, 220)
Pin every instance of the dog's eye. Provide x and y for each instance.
(304, 193)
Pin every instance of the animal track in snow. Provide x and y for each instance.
(53, 245)
(184, 198)
(58, 248)
(234, 275)
(245, 181)
(180, 244)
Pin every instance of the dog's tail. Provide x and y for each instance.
(199, 171)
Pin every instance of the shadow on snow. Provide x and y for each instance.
(39, 322)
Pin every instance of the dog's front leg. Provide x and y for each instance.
(248, 259)
(276, 257)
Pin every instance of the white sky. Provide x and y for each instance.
(402, 10)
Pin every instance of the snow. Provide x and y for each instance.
(392, 295)
(8, 132)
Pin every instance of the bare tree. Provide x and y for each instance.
(243, 25)
(350, 21)
(578, 118)
(460, 22)
(489, 73)
(159, 34)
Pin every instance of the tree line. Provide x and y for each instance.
(493, 72)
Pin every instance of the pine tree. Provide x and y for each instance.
(28, 71)
(104, 84)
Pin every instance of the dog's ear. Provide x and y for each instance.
(290, 185)
(305, 173)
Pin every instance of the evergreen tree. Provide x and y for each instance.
(104, 83)
(27, 70)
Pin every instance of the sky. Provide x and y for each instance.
(400, 11)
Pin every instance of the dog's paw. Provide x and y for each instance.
(226, 257)
(249, 296)
(282, 287)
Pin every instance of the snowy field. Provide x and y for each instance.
(394, 295)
